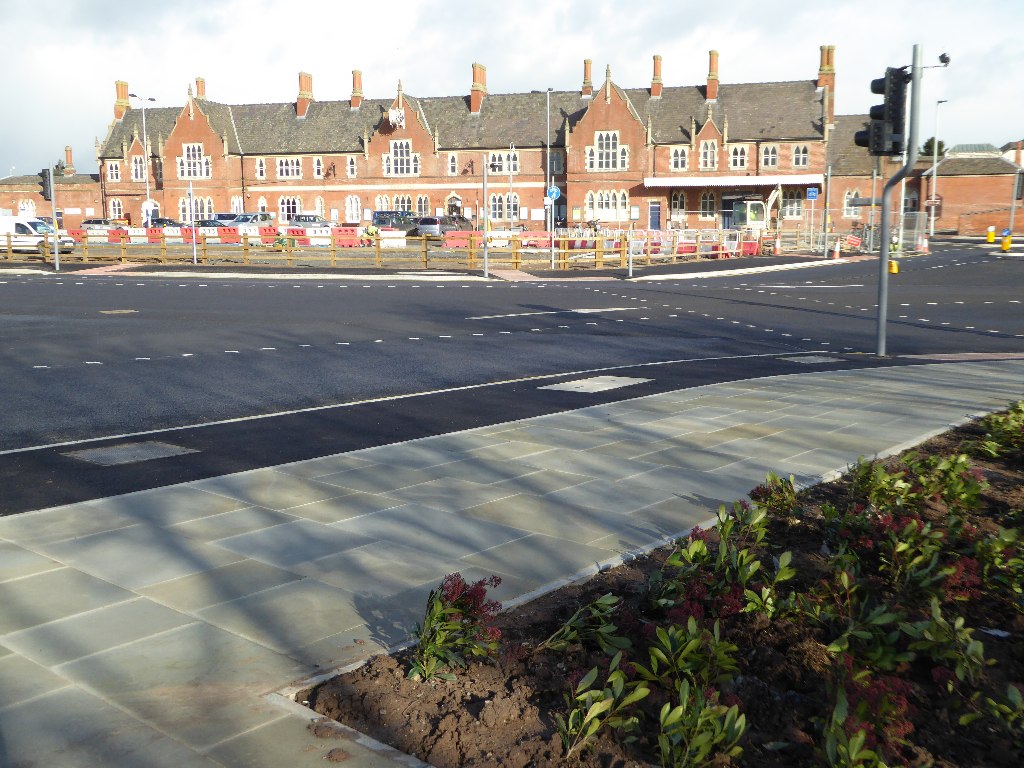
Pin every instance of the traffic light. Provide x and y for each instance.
(886, 134)
(47, 192)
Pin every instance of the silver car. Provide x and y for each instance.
(430, 226)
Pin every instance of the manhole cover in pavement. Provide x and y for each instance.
(129, 453)
(809, 359)
(595, 384)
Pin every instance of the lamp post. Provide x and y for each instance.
(145, 144)
(548, 181)
(935, 170)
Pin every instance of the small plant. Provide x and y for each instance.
(949, 478)
(698, 729)
(1002, 565)
(591, 709)
(767, 600)
(693, 654)
(880, 488)
(456, 624)
(949, 643)
(591, 622)
(776, 495)
(844, 750)
(1004, 434)
(1008, 713)
(910, 557)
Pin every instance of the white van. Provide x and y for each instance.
(26, 234)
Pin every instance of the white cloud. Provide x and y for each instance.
(59, 84)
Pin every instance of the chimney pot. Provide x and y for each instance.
(69, 164)
(121, 103)
(656, 82)
(588, 85)
(357, 89)
(479, 89)
(200, 88)
(305, 97)
(712, 90)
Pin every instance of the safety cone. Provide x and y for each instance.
(835, 253)
(778, 245)
(924, 245)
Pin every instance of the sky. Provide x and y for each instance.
(60, 58)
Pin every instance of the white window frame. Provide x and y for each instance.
(319, 207)
(422, 205)
(318, 167)
(351, 167)
(403, 203)
(801, 156)
(138, 168)
(557, 163)
(237, 204)
(497, 207)
(770, 156)
(113, 171)
(738, 157)
(194, 163)
(116, 208)
(512, 206)
(382, 203)
(792, 205)
(679, 158)
(677, 202)
(453, 164)
(353, 209)
(287, 207)
(401, 160)
(289, 167)
(709, 155)
(261, 168)
(851, 211)
(708, 206)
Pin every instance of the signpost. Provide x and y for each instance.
(812, 195)
(549, 200)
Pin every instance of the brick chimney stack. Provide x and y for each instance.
(588, 85)
(656, 83)
(357, 89)
(69, 164)
(712, 91)
(827, 80)
(200, 87)
(1016, 156)
(479, 89)
(305, 97)
(121, 104)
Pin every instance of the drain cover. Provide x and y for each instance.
(595, 384)
(810, 359)
(129, 453)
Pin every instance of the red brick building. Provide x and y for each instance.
(78, 195)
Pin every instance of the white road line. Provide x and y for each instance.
(595, 311)
(268, 349)
(230, 351)
(342, 343)
(93, 362)
(143, 358)
(40, 366)
(390, 398)
(187, 354)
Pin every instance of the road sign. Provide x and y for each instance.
(554, 193)
(855, 201)
(812, 193)
(853, 241)
(931, 202)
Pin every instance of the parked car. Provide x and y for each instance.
(161, 222)
(26, 234)
(260, 219)
(209, 223)
(222, 219)
(100, 224)
(403, 220)
(456, 224)
(430, 226)
(308, 221)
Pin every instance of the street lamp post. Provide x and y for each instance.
(935, 171)
(145, 144)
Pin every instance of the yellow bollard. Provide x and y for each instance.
(1007, 242)
(894, 267)
(991, 236)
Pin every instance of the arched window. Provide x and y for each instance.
(513, 207)
(738, 157)
(453, 205)
(351, 167)
(707, 205)
(769, 157)
(453, 165)
(382, 203)
(319, 205)
(590, 159)
(497, 207)
(590, 207)
(708, 155)
(353, 209)
(624, 205)
(318, 167)
(261, 168)
(116, 209)
(261, 205)
(851, 211)
(403, 203)
(288, 208)
(678, 159)
(910, 202)
(801, 157)
(422, 205)
(26, 208)
(608, 155)
(792, 204)
(237, 205)
(677, 202)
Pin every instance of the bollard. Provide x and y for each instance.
(894, 267)
(835, 253)
(1007, 242)
(991, 237)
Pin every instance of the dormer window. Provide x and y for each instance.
(678, 159)
(801, 156)
(289, 167)
(769, 157)
(113, 171)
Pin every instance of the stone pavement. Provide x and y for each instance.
(160, 628)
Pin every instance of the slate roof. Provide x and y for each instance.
(775, 111)
(973, 149)
(36, 179)
(845, 157)
(974, 166)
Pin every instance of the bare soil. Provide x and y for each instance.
(499, 711)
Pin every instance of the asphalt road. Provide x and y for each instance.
(346, 363)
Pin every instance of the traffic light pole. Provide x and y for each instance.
(911, 145)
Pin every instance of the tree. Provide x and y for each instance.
(927, 150)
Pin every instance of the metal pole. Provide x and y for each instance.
(903, 203)
(145, 145)
(56, 225)
(547, 185)
(1013, 199)
(192, 220)
(824, 215)
(935, 169)
(911, 142)
(487, 217)
(871, 211)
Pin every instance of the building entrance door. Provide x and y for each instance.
(654, 215)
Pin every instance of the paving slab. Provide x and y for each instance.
(43, 597)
